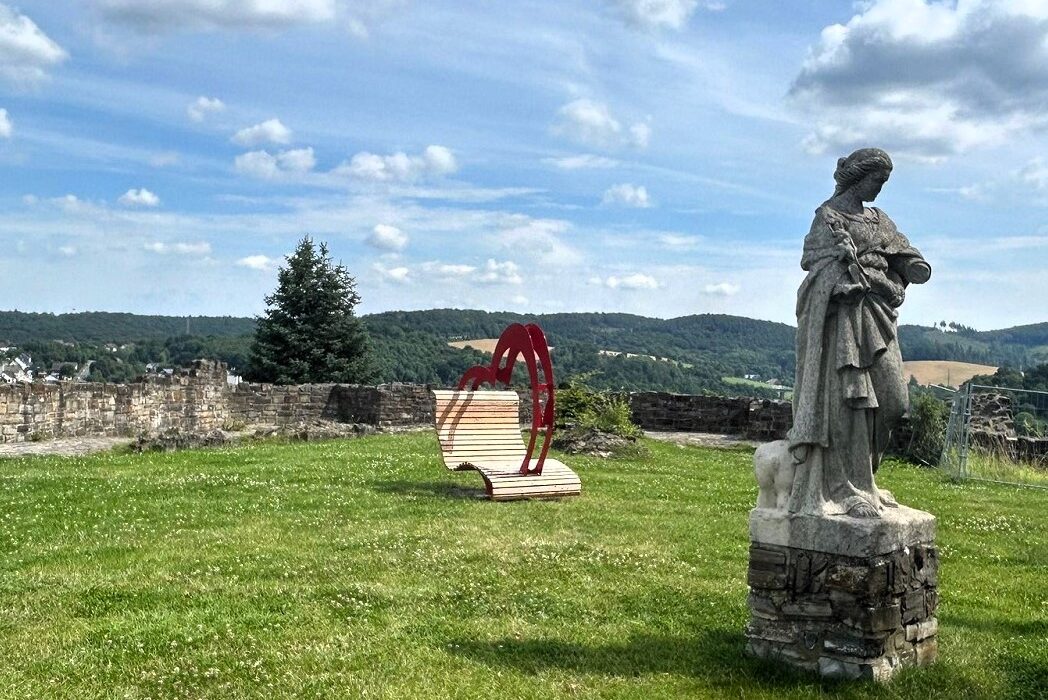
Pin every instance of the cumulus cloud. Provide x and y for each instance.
(204, 106)
(721, 289)
(158, 16)
(928, 79)
(591, 123)
(267, 166)
(269, 131)
(139, 198)
(6, 127)
(539, 239)
(386, 237)
(67, 250)
(399, 274)
(583, 161)
(634, 282)
(257, 262)
(495, 272)
(199, 248)
(434, 161)
(26, 53)
(627, 195)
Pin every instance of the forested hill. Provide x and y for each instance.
(694, 353)
(18, 327)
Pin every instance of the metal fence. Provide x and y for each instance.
(998, 434)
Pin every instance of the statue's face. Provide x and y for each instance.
(870, 186)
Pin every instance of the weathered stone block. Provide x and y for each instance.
(844, 616)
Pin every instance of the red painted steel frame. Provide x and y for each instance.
(527, 341)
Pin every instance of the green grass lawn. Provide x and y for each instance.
(362, 568)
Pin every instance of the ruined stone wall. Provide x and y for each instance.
(193, 399)
(199, 399)
(757, 420)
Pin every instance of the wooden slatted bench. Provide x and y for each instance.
(481, 430)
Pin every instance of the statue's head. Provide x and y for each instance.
(866, 170)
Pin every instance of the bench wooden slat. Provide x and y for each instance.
(481, 430)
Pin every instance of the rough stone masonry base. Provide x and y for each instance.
(842, 615)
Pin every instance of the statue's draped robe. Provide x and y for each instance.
(850, 388)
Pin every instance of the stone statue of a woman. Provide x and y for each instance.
(850, 389)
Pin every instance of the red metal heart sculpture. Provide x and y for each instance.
(527, 341)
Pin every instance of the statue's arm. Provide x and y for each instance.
(910, 265)
(903, 259)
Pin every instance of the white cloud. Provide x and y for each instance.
(627, 195)
(492, 272)
(539, 239)
(640, 135)
(499, 273)
(297, 160)
(139, 198)
(447, 271)
(582, 161)
(200, 248)
(203, 106)
(398, 274)
(67, 250)
(591, 123)
(1035, 174)
(434, 161)
(6, 127)
(257, 262)
(678, 241)
(260, 164)
(722, 289)
(519, 300)
(927, 79)
(386, 237)
(266, 166)
(158, 16)
(657, 14)
(632, 282)
(269, 131)
(26, 53)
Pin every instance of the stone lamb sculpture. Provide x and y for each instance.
(774, 466)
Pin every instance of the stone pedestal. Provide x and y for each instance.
(845, 597)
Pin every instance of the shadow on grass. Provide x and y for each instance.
(1027, 628)
(440, 489)
(717, 656)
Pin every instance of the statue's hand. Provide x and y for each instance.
(848, 292)
(846, 250)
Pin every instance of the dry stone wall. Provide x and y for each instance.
(199, 399)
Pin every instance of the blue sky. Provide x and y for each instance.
(661, 157)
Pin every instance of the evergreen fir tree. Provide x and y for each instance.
(308, 333)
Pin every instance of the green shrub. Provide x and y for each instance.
(928, 419)
(1029, 425)
(582, 408)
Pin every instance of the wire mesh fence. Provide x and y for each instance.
(998, 434)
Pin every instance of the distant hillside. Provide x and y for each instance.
(704, 348)
(1020, 346)
(18, 327)
(413, 345)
